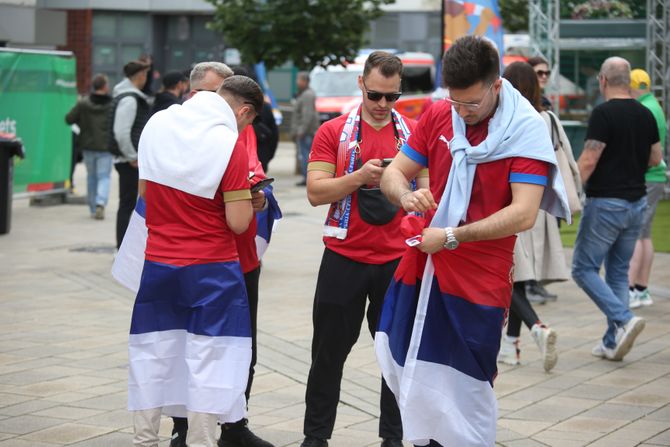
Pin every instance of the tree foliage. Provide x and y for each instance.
(515, 12)
(306, 32)
(514, 15)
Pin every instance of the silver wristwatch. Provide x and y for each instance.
(451, 243)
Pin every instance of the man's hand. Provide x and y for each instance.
(133, 163)
(371, 172)
(258, 201)
(433, 240)
(420, 201)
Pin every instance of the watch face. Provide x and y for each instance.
(451, 244)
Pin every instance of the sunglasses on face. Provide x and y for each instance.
(541, 73)
(377, 96)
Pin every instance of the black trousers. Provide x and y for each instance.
(251, 280)
(342, 291)
(128, 178)
(520, 311)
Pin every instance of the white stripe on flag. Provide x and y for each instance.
(440, 403)
(129, 261)
(183, 372)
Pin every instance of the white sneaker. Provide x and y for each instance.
(645, 298)
(545, 338)
(624, 338)
(633, 299)
(637, 299)
(509, 353)
(600, 350)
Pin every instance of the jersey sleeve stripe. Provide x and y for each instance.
(519, 177)
(321, 166)
(414, 155)
(234, 196)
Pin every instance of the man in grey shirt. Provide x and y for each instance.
(131, 112)
(305, 122)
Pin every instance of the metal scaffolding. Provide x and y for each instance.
(658, 51)
(543, 21)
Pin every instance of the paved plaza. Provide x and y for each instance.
(64, 328)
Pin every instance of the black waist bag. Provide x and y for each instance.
(374, 207)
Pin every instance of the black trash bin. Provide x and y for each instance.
(9, 147)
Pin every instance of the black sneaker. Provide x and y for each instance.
(239, 435)
(314, 442)
(391, 442)
(178, 439)
(179, 430)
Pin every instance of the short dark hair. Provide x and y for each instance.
(522, 76)
(99, 82)
(245, 89)
(247, 71)
(469, 60)
(171, 79)
(537, 60)
(134, 67)
(388, 64)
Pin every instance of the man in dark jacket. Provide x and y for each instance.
(91, 114)
(174, 86)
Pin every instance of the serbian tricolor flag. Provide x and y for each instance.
(266, 222)
(190, 340)
(437, 349)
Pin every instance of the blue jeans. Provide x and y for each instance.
(607, 234)
(304, 147)
(98, 172)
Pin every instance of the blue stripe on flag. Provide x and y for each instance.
(397, 318)
(141, 207)
(265, 219)
(461, 334)
(203, 299)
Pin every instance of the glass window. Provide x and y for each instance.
(131, 52)
(201, 33)
(104, 54)
(104, 25)
(133, 26)
(414, 26)
(178, 57)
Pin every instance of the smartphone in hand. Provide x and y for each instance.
(262, 184)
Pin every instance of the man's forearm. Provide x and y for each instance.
(518, 216)
(394, 184)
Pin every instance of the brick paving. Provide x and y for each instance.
(64, 325)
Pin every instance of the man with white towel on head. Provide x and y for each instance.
(190, 344)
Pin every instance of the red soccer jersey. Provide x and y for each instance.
(477, 270)
(246, 242)
(371, 244)
(187, 229)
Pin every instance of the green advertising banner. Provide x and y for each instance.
(37, 89)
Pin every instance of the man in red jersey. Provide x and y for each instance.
(441, 364)
(191, 315)
(362, 240)
(208, 76)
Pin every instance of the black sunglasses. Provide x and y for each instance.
(543, 73)
(377, 96)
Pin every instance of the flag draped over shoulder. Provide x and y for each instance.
(438, 337)
(189, 347)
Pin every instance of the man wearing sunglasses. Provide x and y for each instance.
(362, 240)
(490, 156)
